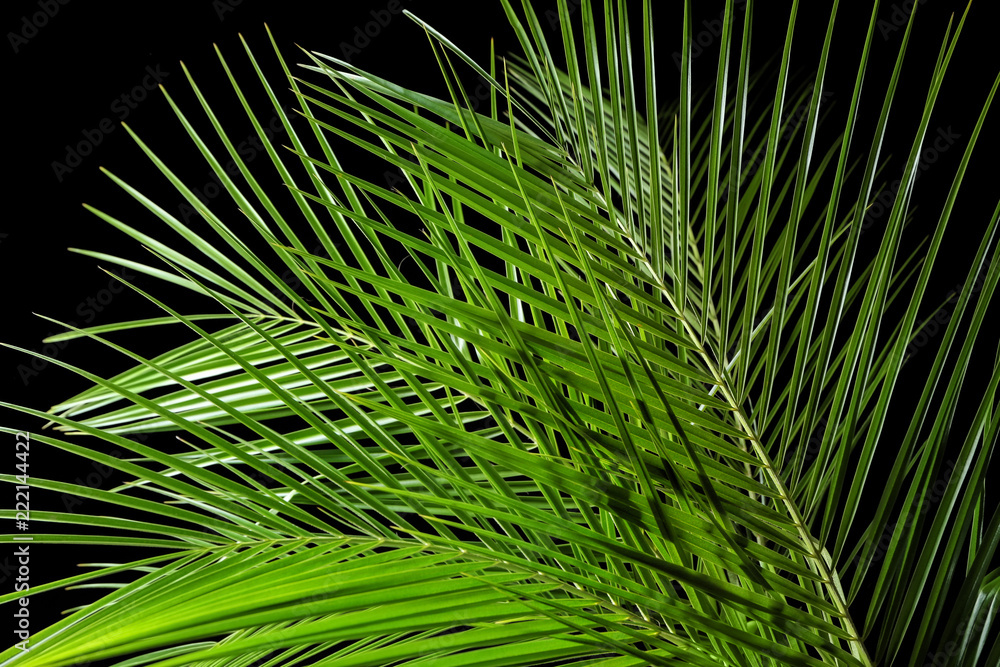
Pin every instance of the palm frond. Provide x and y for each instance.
(578, 427)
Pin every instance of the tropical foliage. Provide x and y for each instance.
(621, 403)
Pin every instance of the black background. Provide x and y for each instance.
(64, 78)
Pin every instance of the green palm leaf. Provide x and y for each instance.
(575, 427)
